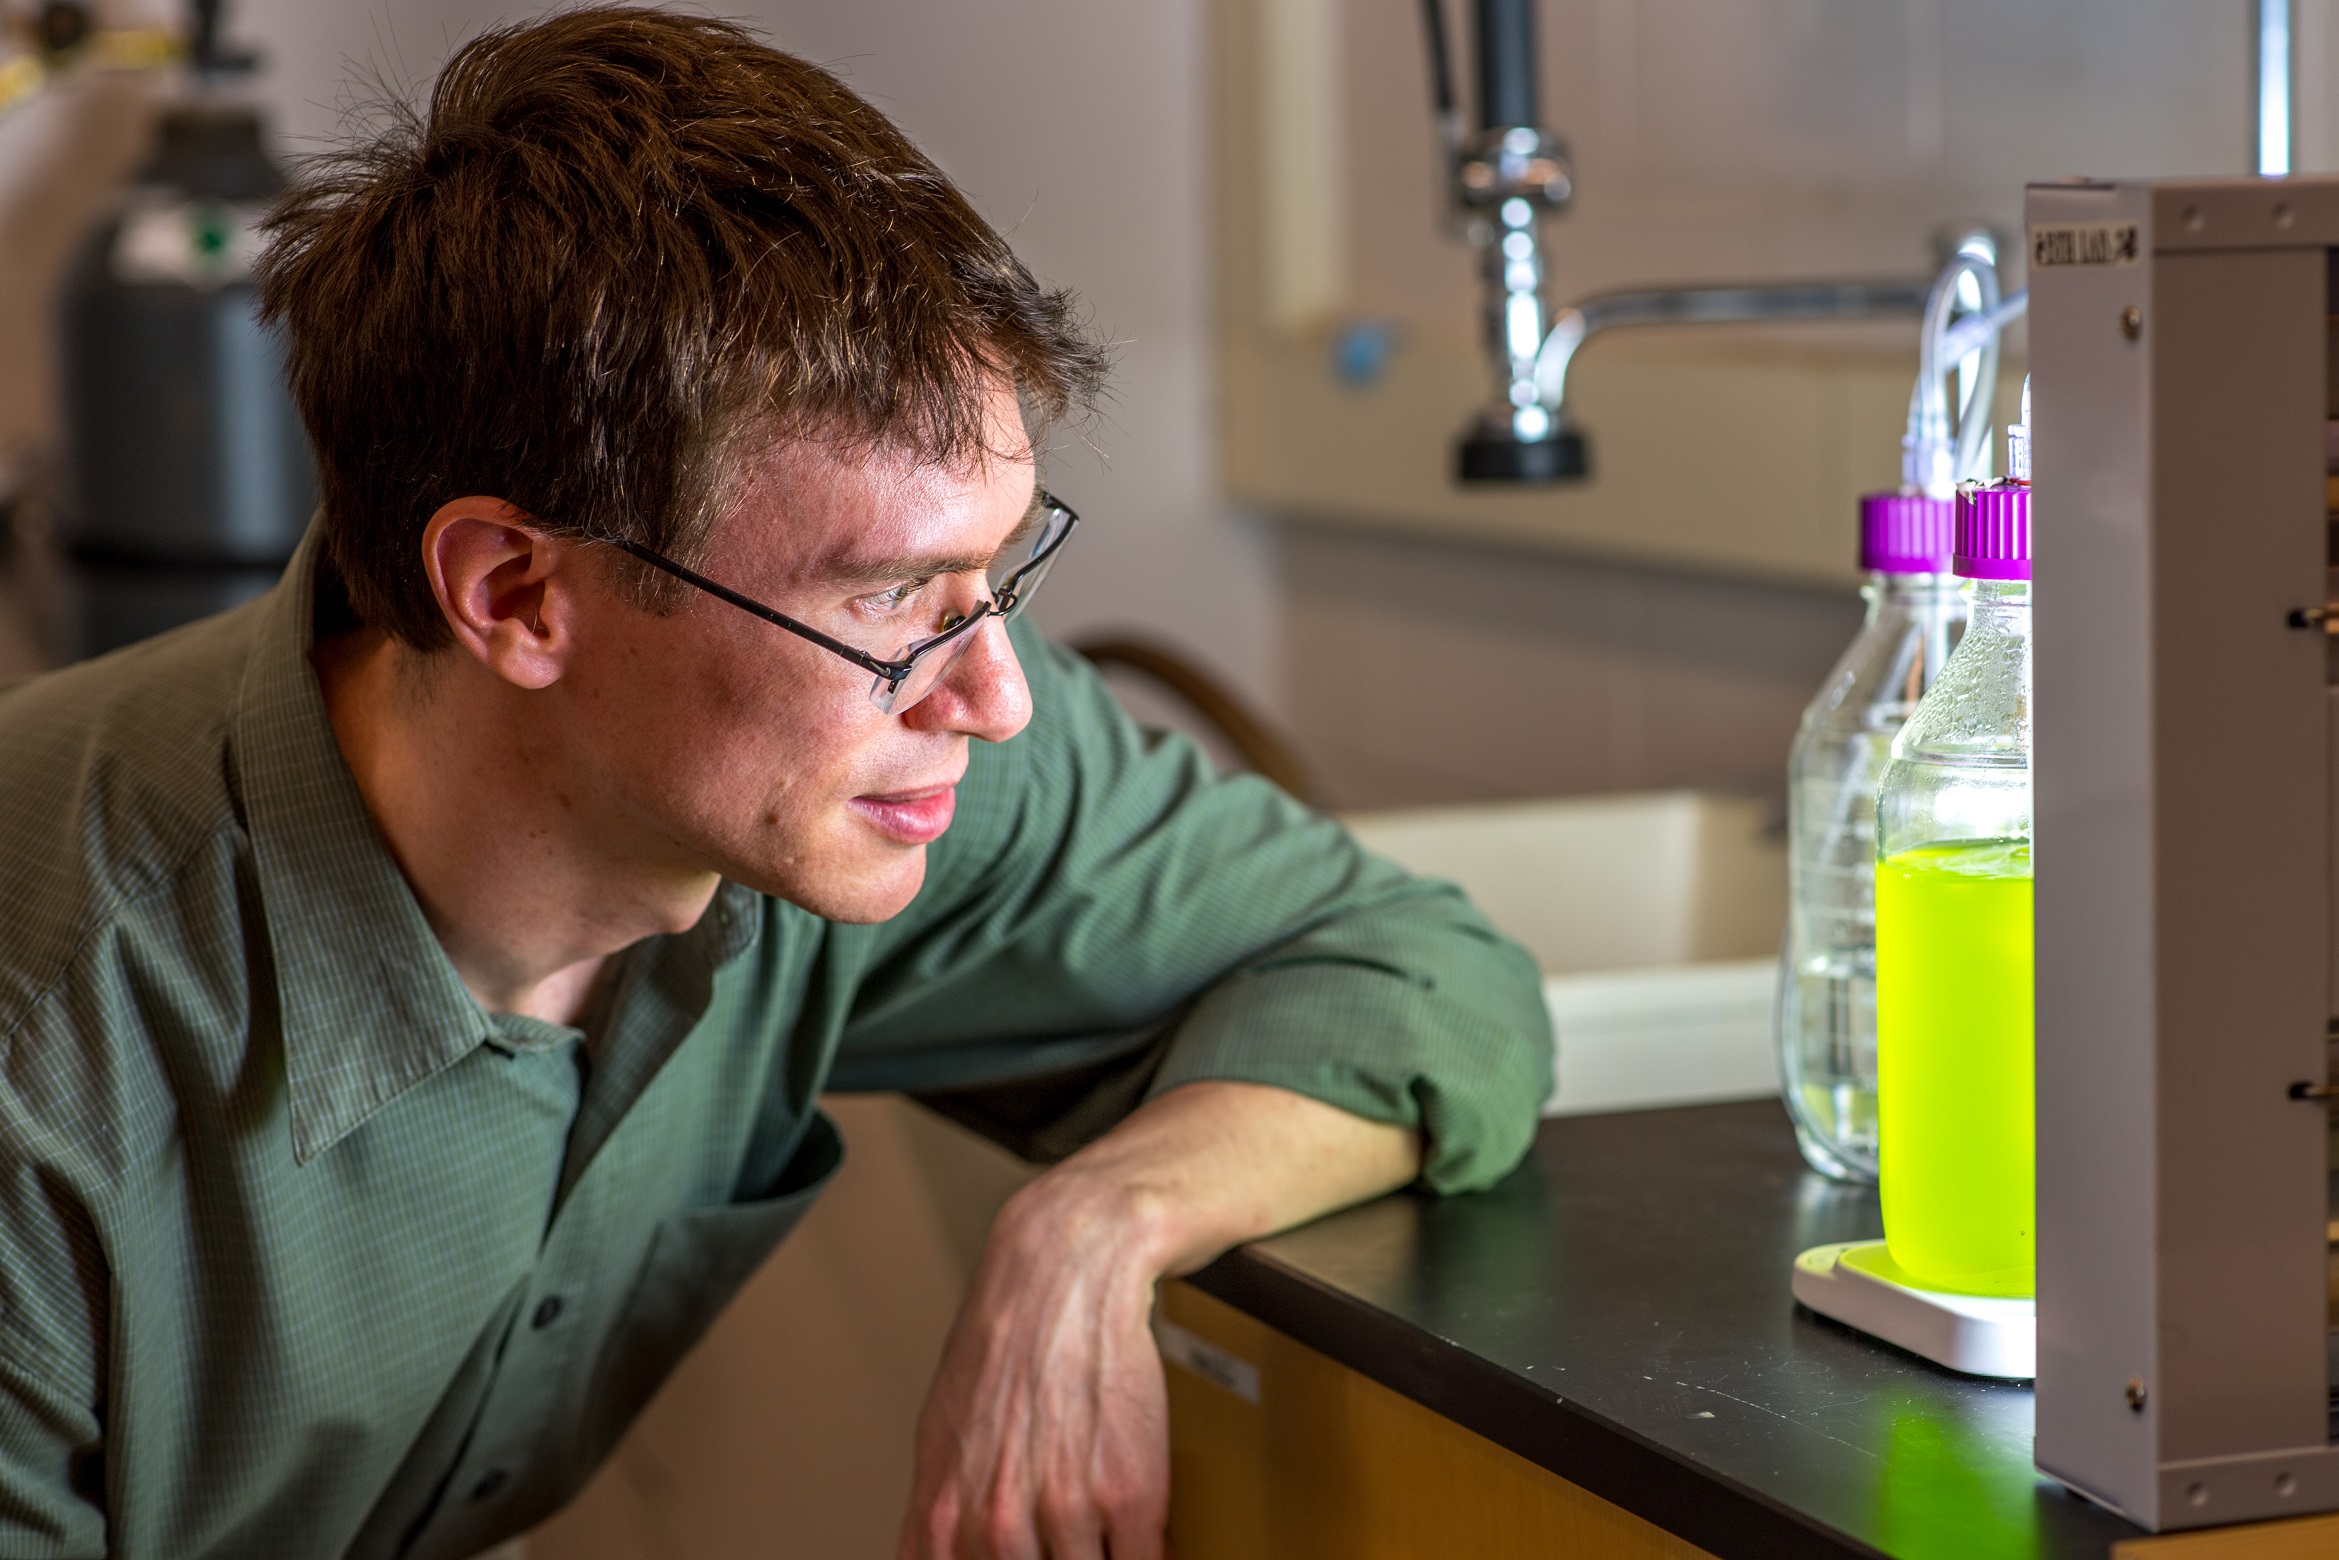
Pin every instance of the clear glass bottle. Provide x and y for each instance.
(1826, 1020)
(1953, 933)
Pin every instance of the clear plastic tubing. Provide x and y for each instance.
(1826, 1022)
(1953, 932)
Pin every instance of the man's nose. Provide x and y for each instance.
(982, 695)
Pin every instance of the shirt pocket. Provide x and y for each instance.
(696, 1261)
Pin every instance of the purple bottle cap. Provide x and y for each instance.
(1905, 533)
(1993, 532)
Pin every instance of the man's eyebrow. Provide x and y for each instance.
(885, 571)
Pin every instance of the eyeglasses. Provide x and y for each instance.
(913, 671)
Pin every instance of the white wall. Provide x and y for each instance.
(1078, 127)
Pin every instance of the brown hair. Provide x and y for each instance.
(610, 240)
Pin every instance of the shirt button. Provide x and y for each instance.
(489, 1482)
(547, 1312)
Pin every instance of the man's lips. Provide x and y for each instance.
(911, 817)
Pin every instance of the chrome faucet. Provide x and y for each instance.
(1506, 177)
(1580, 321)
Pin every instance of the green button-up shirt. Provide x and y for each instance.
(302, 1253)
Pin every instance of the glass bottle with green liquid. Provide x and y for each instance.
(1957, 1144)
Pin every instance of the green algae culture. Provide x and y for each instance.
(1954, 1070)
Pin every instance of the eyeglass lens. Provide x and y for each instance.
(1021, 569)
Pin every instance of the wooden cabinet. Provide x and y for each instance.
(1319, 1463)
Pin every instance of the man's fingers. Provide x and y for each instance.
(1080, 1525)
(1004, 1529)
(1133, 1525)
(1045, 1433)
(1069, 1525)
(929, 1527)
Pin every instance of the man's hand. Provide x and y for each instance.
(1046, 1433)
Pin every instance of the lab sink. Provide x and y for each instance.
(1655, 918)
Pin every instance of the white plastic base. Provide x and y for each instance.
(1969, 1333)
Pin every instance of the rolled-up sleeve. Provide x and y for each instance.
(1101, 882)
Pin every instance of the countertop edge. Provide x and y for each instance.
(1619, 1465)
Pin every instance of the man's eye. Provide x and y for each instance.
(894, 598)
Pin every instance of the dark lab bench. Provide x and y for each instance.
(1617, 1314)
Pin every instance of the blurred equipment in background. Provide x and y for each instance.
(56, 36)
(60, 27)
(1202, 707)
(187, 480)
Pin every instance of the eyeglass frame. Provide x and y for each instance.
(893, 674)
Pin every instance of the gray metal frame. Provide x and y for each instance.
(2184, 766)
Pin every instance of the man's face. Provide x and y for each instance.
(722, 743)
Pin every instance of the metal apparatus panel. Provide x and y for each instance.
(2183, 815)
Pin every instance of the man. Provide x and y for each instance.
(417, 986)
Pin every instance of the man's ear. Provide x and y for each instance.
(508, 591)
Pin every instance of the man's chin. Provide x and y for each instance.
(854, 892)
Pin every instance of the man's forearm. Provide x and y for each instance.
(1206, 1167)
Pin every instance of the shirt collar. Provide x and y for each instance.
(368, 1003)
